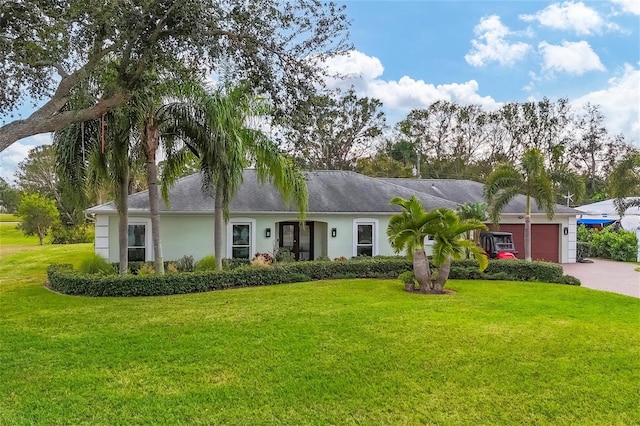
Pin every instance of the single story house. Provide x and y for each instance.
(347, 216)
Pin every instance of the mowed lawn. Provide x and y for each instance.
(332, 352)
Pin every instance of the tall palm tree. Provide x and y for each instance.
(624, 182)
(158, 109)
(530, 178)
(225, 146)
(408, 229)
(83, 161)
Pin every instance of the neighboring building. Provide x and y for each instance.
(604, 213)
(347, 216)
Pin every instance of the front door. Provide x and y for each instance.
(297, 239)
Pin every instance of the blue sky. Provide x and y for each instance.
(412, 53)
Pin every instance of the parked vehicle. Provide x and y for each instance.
(498, 245)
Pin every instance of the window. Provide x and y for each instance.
(136, 246)
(241, 238)
(365, 237)
(241, 243)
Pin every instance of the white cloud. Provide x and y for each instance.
(15, 153)
(573, 58)
(620, 103)
(629, 6)
(491, 44)
(570, 16)
(365, 74)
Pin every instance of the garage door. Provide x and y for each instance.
(545, 244)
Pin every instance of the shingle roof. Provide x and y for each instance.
(329, 192)
(466, 191)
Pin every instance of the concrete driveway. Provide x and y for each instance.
(607, 275)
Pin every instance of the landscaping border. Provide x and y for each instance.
(63, 279)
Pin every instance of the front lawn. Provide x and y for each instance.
(332, 352)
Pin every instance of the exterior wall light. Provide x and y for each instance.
(267, 233)
(334, 232)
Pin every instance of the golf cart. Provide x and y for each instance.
(498, 245)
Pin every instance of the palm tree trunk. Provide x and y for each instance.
(151, 137)
(218, 226)
(123, 228)
(421, 270)
(527, 231)
(443, 276)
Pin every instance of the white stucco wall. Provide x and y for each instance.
(179, 234)
(324, 244)
(192, 234)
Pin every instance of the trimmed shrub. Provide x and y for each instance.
(569, 280)
(228, 264)
(63, 279)
(96, 264)
(207, 263)
(513, 270)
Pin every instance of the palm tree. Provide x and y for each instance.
(624, 182)
(225, 146)
(84, 163)
(158, 109)
(448, 245)
(530, 178)
(407, 231)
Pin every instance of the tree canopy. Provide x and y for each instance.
(51, 49)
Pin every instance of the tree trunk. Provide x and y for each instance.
(218, 226)
(41, 238)
(123, 228)
(443, 276)
(150, 140)
(50, 118)
(527, 231)
(421, 270)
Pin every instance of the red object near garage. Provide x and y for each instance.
(545, 240)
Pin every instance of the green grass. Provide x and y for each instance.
(8, 217)
(333, 352)
(13, 240)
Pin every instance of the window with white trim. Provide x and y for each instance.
(241, 238)
(241, 241)
(137, 243)
(365, 237)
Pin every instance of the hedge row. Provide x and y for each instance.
(63, 279)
